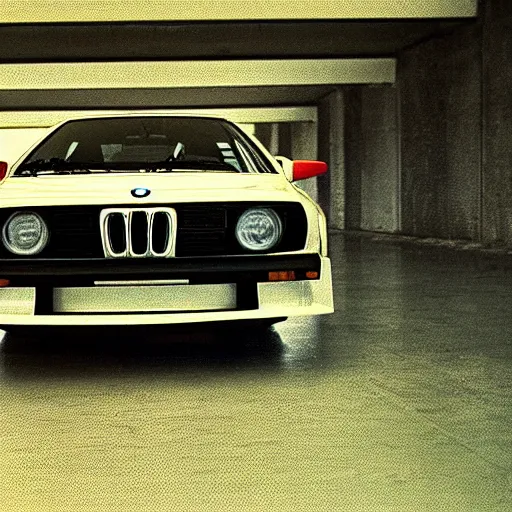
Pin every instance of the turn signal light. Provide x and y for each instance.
(312, 274)
(4, 283)
(282, 275)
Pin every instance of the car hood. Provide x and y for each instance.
(164, 187)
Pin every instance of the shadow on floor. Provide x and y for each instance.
(90, 353)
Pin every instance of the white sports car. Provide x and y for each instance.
(158, 219)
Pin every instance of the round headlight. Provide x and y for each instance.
(259, 229)
(25, 233)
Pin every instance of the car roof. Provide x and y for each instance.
(143, 114)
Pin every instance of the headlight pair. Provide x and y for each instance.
(25, 233)
(259, 229)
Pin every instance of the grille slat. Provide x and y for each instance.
(202, 218)
(73, 232)
(202, 230)
(74, 221)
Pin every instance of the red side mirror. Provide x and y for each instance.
(3, 170)
(303, 169)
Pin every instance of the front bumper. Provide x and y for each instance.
(184, 290)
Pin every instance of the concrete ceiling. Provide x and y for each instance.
(178, 84)
(90, 32)
(52, 11)
(213, 40)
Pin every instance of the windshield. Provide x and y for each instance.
(155, 143)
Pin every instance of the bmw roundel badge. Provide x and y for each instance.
(141, 192)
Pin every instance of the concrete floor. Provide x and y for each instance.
(400, 401)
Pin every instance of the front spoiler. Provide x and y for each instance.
(254, 299)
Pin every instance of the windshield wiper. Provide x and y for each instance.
(53, 166)
(61, 171)
(199, 164)
(59, 166)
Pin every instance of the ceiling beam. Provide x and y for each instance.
(242, 73)
(166, 99)
(58, 11)
(88, 42)
(39, 119)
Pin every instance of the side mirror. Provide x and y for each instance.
(3, 170)
(303, 169)
(296, 170)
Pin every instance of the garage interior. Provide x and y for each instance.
(398, 401)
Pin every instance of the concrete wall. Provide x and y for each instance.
(497, 123)
(440, 96)
(438, 163)
(456, 131)
(371, 159)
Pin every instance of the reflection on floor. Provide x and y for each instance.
(400, 401)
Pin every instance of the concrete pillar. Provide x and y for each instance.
(354, 148)
(324, 154)
(285, 140)
(372, 170)
(273, 146)
(304, 147)
(263, 132)
(331, 188)
(268, 135)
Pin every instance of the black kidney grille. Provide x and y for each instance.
(160, 232)
(203, 230)
(139, 233)
(116, 230)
